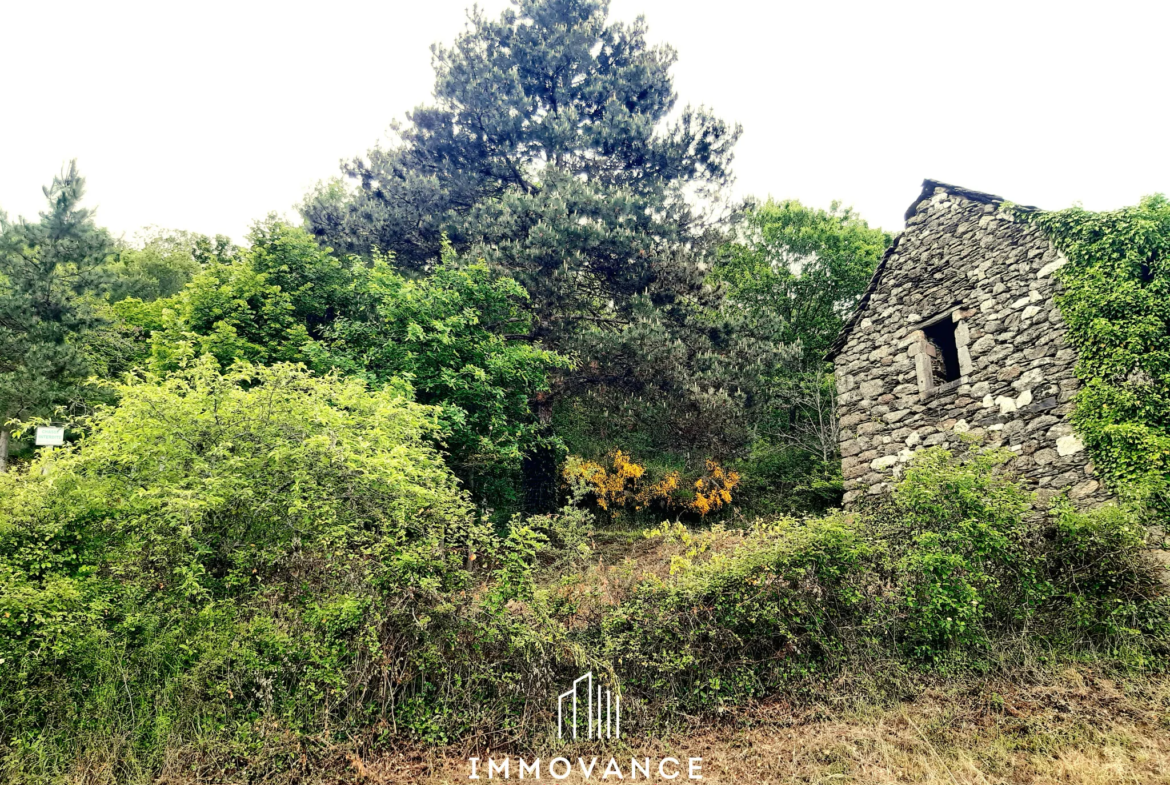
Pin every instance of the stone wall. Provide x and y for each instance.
(961, 259)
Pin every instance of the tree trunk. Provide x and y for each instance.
(3, 451)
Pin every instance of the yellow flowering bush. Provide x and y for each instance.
(623, 484)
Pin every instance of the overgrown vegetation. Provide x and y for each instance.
(951, 570)
(245, 552)
(1116, 302)
(264, 556)
(511, 405)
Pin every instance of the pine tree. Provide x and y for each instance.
(552, 151)
(549, 153)
(48, 271)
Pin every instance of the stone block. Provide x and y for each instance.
(1052, 267)
(1044, 457)
(1069, 445)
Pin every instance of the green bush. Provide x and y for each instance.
(964, 549)
(784, 480)
(953, 568)
(746, 621)
(1101, 571)
(224, 555)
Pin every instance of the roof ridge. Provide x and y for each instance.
(928, 188)
(970, 194)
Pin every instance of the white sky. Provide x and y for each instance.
(208, 115)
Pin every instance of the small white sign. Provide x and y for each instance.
(50, 436)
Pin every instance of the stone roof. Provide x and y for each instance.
(928, 190)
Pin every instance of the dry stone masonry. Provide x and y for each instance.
(958, 334)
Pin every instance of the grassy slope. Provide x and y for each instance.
(1076, 726)
(1036, 724)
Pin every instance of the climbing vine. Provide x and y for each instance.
(1116, 302)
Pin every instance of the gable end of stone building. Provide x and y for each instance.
(958, 336)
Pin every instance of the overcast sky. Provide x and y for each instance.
(208, 115)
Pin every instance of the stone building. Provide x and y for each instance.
(956, 334)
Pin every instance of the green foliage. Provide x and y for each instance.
(222, 549)
(789, 277)
(568, 531)
(49, 272)
(549, 135)
(708, 383)
(163, 264)
(268, 304)
(267, 554)
(551, 154)
(743, 623)
(965, 560)
(949, 571)
(803, 267)
(457, 336)
(664, 384)
(554, 153)
(785, 479)
(1116, 303)
(1100, 568)
(201, 487)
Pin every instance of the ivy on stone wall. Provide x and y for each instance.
(1116, 303)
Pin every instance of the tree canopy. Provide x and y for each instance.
(802, 266)
(550, 152)
(50, 269)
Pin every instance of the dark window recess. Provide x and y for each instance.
(945, 362)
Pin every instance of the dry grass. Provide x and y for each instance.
(1077, 728)
(623, 558)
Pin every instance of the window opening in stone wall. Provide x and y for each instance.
(944, 365)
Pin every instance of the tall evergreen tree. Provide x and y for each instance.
(48, 270)
(552, 151)
(549, 152)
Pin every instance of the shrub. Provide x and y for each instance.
(786, 480)
(964, 555)
(954, 565)
(1103, 575)
(625, 485)
(568, 533)
(744, 622)
(225, 554)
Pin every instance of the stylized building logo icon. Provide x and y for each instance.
(603, 710)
